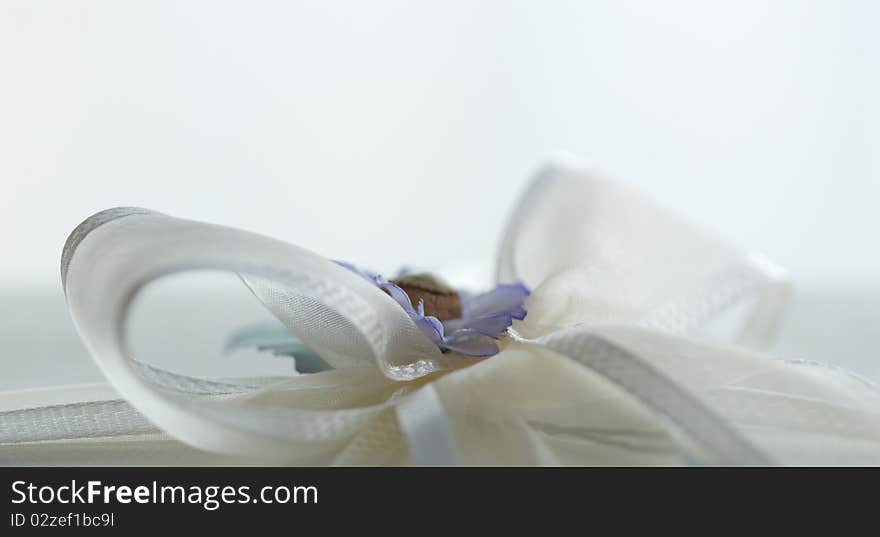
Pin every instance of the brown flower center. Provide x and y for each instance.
(440, 300)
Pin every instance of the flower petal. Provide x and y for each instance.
(485, 317)
(493, 326)
(431, 327)
(399, 296)
(507, 298)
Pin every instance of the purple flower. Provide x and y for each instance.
(484, 318)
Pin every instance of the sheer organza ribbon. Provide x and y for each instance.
(639, 347)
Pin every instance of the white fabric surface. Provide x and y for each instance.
(641, 346)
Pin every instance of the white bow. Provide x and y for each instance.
(634, 350)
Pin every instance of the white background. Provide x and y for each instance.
(400, 132)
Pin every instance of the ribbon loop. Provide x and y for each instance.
(351, 323)
(606, 254)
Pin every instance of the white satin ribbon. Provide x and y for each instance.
(595, 254)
